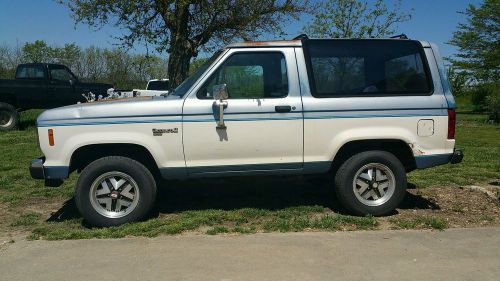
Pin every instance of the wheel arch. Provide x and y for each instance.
(397, 147)
(84, 155)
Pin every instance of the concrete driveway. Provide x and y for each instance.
(456, 254)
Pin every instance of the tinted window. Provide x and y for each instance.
(250, 76)
(30, 72)
(61, 74)
(158, 85)
(366, 67)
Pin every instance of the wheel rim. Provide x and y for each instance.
(6, 118)
(114, 194)
(374, 184)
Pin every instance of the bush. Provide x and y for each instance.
(485, 98)
(493, 104)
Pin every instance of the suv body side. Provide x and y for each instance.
(258, 140)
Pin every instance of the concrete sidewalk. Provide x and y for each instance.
(456, 254)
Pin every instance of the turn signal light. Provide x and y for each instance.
(51, 137)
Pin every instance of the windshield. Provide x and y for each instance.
(186, 85)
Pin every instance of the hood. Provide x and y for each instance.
(119, 109)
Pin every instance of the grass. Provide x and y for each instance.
(242, 206)
(26, 219)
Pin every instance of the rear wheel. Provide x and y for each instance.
(371, 183)
(115, 190)
(9, 117)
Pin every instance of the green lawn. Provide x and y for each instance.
(239, 205)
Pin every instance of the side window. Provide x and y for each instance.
(250, 76)
(30, 72)
(365, 67)
(60, 74)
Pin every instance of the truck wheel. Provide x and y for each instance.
(115, 190)
(9, 117)
(371, 183)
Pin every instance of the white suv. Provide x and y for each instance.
(365, 111)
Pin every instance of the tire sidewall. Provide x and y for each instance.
(345, 178)
(139, 173)
(14, 115)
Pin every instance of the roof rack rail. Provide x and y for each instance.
(301, 36)
(399, 36)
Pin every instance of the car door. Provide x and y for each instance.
(263, 115)
(61, 87)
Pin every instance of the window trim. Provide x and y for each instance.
(312, 83)
(246, 52)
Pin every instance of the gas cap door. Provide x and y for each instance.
(425, 127)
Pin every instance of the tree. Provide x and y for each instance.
(183, 27)
(478, 42)
(37, 51)
(459, 81)
(356, 19)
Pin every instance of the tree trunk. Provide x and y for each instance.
(178, 62)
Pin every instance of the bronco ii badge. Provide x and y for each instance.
(160, 132)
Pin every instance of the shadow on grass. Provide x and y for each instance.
(268, 193)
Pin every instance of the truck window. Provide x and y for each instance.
(250, 76)
(30, 72)
(158, 85)
(366, 68)
(60, 74)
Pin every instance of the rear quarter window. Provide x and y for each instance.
(30, 72)
(339, 68)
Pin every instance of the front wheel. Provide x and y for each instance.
(115, 190)
(371, 183)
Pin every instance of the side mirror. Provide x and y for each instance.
(219, 92)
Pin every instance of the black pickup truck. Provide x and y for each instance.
(42, 86)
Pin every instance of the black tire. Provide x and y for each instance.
(9, 117)
(139, 175)
(346, 175)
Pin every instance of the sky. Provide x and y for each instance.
(29, 20)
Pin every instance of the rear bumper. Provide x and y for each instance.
(427, 161)
(53, 175)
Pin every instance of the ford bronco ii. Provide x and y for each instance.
(366, 112)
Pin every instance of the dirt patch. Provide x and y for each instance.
(455, 206)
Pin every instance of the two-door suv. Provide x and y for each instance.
(365, 111)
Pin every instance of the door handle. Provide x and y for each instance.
(283, 108)
(220, 105)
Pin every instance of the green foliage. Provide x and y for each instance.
(356, 19)
(478, 41)
(493, 104)
(37, 51)
(480, 95)
(459, 81)
(182, 27)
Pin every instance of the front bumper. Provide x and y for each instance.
(36, 168)
(53, 175)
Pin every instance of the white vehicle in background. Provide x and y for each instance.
(155, 87)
